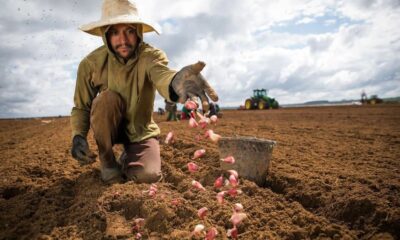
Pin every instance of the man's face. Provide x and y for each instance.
(123, 39)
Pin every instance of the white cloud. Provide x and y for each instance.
(41, 48)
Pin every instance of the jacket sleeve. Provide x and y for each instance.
(84, 95)
(160, 75)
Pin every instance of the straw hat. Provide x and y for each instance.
(116, 12)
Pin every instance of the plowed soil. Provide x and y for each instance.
(335, 174)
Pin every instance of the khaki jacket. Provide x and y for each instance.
(136, 81)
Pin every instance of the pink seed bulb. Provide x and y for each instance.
(198, 229)
(234, 173)
(214, 118)
(229, 159)
(198, 185)
(213, 136)
(237, 218)
(202, 212)
(192, 167)
(220, 197)
(191, 105)
(238, 207)
(219, 182)
(232, 233)
(204, 122)
(170, 138)
(211, 233)
(233, 180)
(193, 123)
(199, 153)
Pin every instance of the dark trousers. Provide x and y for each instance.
(140, 161)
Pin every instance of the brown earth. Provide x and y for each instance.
(335, 174)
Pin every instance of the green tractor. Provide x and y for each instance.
(260, 100)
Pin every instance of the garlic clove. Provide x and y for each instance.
(220, 197)
(198, 229)
(211, 233)
(192, 167)
(199, 153)
(214, 118)
(233, 192)
(232, 233)
(238, 207)
(233, 180)
(198, 185)
(193, 123)
(202, 212)
(170, 138)
(237, 218)
(219, 182)
(191, 105)
(213, 136)
(229, 159)
(234, 173)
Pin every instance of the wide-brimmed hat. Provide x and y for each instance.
(116, 12)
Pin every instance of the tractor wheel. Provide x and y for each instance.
(248, 104)
(275, 105)
(261, 104)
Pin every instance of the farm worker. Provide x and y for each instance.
(214, 109)
(115, 90)
(171, 108)
(185, 113)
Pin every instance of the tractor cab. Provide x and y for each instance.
(259, 93)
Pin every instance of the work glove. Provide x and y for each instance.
(80, 150)
(189, 83)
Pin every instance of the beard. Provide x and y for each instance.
(130, 48)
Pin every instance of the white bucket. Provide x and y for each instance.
(252, 156)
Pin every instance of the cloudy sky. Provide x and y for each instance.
(301, 50)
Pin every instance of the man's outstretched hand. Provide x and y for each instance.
(189, 83)
(80, 150)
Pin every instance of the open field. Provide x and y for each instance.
(335, 174)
